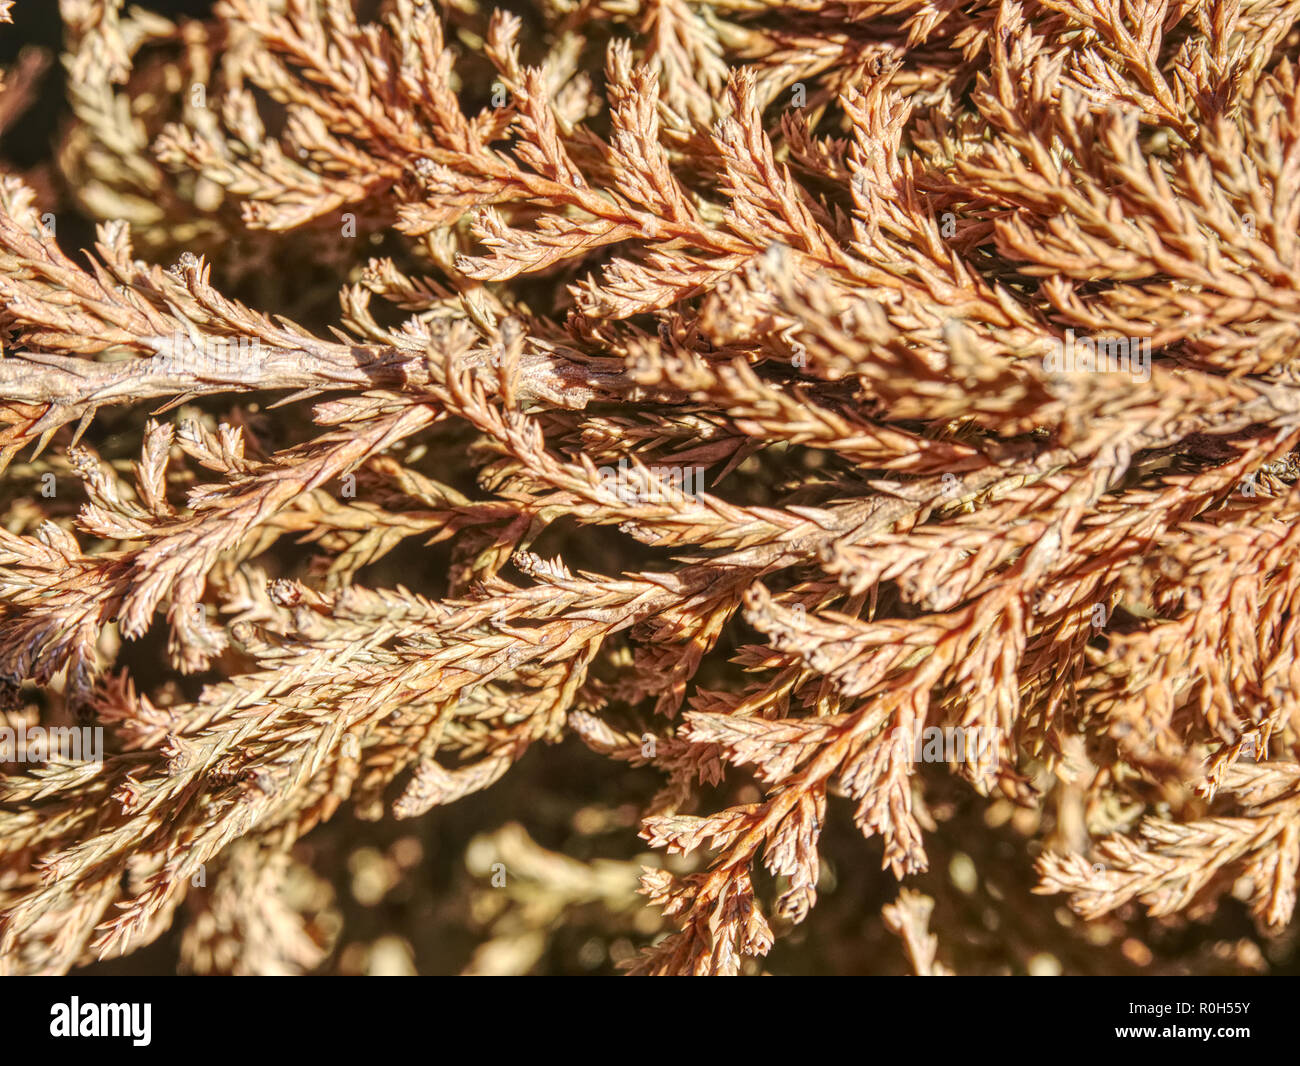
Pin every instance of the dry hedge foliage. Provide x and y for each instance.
(740, 386)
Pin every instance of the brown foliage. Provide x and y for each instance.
(774, 298)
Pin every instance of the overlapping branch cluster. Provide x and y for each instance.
(817, 249)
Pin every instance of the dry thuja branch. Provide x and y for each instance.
(778, 396)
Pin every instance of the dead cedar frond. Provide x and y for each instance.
(950, 351)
